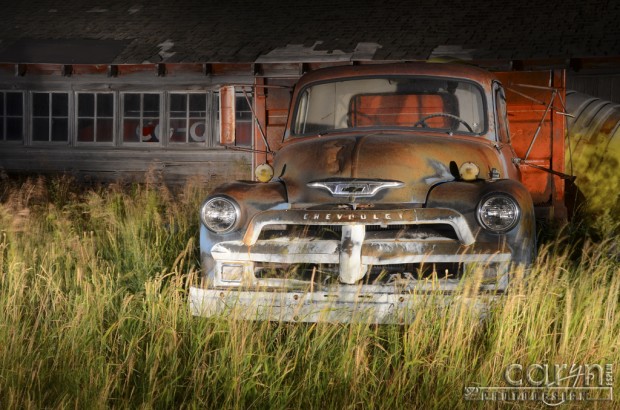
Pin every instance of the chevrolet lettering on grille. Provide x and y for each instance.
(357, 216)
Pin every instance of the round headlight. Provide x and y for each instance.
(498, 213)
(220, 214)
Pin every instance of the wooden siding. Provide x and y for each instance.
(175, 166)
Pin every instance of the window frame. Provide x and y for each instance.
(46, 97)
(114, 119)
(50, 117)
(209, 119)
(161, 139)
(296, 104)
(250, 101)
(497, 90)
(5, 116)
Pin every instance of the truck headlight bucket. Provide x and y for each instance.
(498, 213)
(220, 214)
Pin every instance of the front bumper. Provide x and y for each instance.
(344, 304)
(233, 281)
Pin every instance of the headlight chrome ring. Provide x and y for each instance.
(220, 214)
(498, 213)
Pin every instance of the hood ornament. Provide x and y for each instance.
(356, 188)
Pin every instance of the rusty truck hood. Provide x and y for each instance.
(417, 160)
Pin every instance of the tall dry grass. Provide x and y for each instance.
(93, 314)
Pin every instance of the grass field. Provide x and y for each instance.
(93, 314)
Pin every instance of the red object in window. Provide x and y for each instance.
(148, 130)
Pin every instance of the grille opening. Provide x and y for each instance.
(373, 232)
(318, 274)
(327, 274)
(392, 274)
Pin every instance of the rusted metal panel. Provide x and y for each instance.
(276, 118)
(227, 115)
(528, 95)
(557, 160)
(271, 108)
(279, 98)
(274, 135)
(260, 111)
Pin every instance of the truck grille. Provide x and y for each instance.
(376, 232)
(327, 274)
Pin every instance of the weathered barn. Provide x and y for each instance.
(112, 89)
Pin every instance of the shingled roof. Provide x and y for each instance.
(137, 31)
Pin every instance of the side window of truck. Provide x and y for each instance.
(502, 115)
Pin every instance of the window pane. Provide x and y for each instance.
(14, 129)
(86, 130)
(141, 119)
(178, 130)
(40, 105)
(243, 134)
(243, 112)
(14, 104)
(60, 104)
(197, 105)
(151, 105)
(2, 104)
(105, 130)
(131, 130)
(60, 129)
(244, 116)
(86, 105)
(197, 131)
(105, 105)
(178, 105)
(1, 128)
(132, 105)
(40, 129)
(242, 103)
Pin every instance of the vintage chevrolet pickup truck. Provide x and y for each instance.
(392, 181)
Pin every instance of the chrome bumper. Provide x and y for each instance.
(232, 288)
(345, 305)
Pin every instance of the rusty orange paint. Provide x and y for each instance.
(525, 115)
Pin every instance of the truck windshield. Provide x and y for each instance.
(436, 104)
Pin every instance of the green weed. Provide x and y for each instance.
(94, 314)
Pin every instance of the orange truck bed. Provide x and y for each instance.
(528, 94)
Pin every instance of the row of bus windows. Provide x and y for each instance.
(189, 117)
